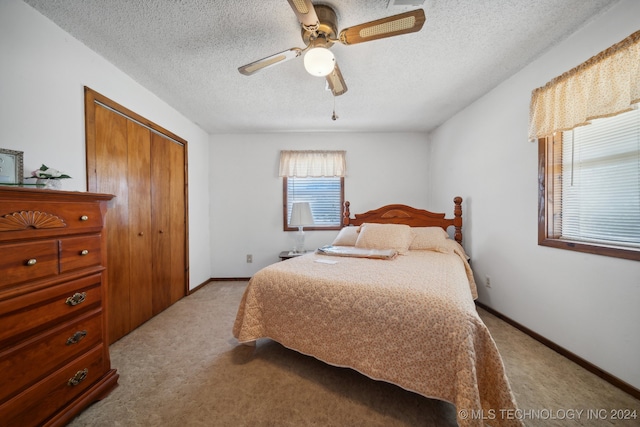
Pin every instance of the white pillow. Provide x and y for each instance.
(385, 236)
(347, 236)
(428, 238)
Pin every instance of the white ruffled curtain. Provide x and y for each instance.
(312, 163)
(605, 85)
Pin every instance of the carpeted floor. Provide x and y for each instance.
(183, 368)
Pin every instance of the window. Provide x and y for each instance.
(316, 177)
(590, 187)
(587, 126)
(325, 196)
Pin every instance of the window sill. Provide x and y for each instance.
(592, 248)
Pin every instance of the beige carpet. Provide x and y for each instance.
(183, 368)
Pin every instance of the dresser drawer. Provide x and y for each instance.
(78, 215)
(28, 362)
(79, 252)
(20, 219)
(27, 314)
(27, 261)
(34, 405)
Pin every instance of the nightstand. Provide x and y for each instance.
(284, 255)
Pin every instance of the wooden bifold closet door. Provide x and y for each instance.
(144, 166)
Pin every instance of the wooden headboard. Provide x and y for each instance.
(402, 214)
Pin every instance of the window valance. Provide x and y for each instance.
(312, 163)
(605, 85)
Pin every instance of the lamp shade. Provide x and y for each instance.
(300, 214)
(319, 61)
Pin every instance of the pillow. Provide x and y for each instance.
(385, 236)
(428, 238)
(347, 236)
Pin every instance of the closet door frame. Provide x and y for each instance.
(92, 99)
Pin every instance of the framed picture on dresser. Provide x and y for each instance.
(11, 167)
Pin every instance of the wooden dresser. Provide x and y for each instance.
(54, 357)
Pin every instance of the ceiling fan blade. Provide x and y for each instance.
(404, 23)
(336, 81)
(269, 61)
(305, 12)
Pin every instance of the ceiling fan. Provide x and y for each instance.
(320, 32)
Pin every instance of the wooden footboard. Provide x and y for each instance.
(403, 214)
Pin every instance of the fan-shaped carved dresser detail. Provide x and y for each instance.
(54, 357)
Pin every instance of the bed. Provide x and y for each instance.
(393, 298)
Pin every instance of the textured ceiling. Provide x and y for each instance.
(187, 52)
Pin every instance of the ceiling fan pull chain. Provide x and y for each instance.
(334, 117)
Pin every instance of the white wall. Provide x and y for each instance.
(43, 71)
(586, 303)
(246, 201)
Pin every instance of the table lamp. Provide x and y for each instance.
(300, 216)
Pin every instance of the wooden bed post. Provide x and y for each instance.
(457, 220)
(346, 214)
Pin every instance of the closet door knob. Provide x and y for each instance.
(141, 233)
(161, 231)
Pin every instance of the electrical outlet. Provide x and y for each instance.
(249, 258)
(487, 281)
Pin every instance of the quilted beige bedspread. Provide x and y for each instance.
(410, 321)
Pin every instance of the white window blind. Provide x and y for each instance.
(601, 181)
(323, 194)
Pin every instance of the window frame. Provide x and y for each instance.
(548, 168)
(285, 222)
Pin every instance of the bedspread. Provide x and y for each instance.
(410, 321)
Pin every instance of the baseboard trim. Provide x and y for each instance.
(218, 279)
(613, 380)
(200, 286)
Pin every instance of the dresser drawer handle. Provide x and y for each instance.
(78, 377)
(75, 339)
(31, 262)
(84, 218)
(84, 252)
(76, 299)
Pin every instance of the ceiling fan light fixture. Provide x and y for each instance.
(319, 61)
